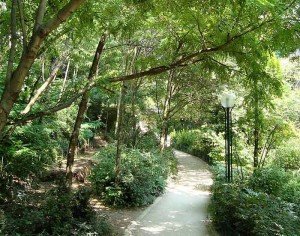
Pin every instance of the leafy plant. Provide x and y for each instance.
(204, 143)
(287, 155)
(142, 176)
(266, 204)
(59, 212)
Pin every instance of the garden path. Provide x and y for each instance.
(182, 210)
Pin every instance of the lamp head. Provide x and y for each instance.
(228, 99)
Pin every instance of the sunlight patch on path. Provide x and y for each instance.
(182, 210)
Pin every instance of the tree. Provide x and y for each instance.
(216, 31)
(81, 111)
(16, 77)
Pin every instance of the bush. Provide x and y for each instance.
(267, 204)
(269, 180)
(29, 150)
(142, 176)
(287, 156)
(204, 143)
(58, 212)
(147, 141)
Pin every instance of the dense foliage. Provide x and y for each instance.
(142, 177)
(58, 212)
(74, 70)
(203, 143)
(266, 204)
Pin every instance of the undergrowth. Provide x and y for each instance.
(142, 176)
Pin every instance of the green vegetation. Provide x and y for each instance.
(203, 143)
(57, 212)
(142, 176)
(117, 77)
(265, 204)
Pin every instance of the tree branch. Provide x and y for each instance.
(51, 77)
(188, 58)
(22, 20)
(14, 86)
(40, 15)
(13, 41)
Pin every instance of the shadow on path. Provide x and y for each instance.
(182, 210)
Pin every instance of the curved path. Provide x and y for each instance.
(182, 210)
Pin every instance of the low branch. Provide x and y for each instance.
(186, 60)
(56, 108)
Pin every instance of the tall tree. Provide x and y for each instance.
(81, 111)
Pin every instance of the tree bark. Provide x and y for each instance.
(256, 147)
(22, 20)
(119, 132)
(13, 41)
(81, 111)
(51, 77)
(166, 112)
(256, 131)
(15, 82)
(40, 14)
(65, 80)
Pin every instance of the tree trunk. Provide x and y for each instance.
(164, 133)
(166, 112)
(119, 131)
(256, 132)
(23, 25)
(13, 40)
(45, 85)
(81, 111)
(15, 83)
(256, 147)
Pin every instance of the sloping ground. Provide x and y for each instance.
(182, 210)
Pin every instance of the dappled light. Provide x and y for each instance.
(132, 116)
(183, 208)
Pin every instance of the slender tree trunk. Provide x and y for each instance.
(51, 77)
(13, 40)
(119, 131)
(15, 82)
(166, 112)
(256, 147)
(65, 80)
(134, 131)
(22, 21)
(256, 131)
(164, 132)
(81, 111)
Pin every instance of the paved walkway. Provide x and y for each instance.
(182, 210)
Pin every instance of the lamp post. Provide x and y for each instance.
(227, 101)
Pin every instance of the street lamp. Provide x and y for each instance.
(228, 101)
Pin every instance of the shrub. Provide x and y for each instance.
(58, 212)
(147, 141)
(269, 180)
(204, 143)
(267, 204)
(142, 176)
(287, 156)
(29, 150)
